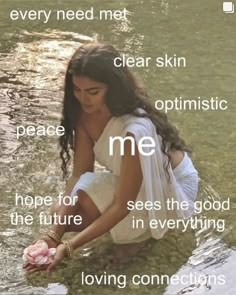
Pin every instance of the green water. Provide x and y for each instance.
(33, 58)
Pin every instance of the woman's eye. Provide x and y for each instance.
(93, 92)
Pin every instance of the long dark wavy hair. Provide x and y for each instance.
(124, 96)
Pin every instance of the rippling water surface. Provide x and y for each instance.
(33, 59)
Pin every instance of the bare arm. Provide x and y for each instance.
(83, 157)
(127, 189)
(83, 162)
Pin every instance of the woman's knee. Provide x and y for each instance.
(84, 203)
(59, 204)
(87, 204)
(54, 208)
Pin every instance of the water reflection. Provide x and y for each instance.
(30, 90)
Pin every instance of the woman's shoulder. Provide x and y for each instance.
(137, 117)
(136, 124)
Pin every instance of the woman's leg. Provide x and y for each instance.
(84, 207)
(122, 253)
(89, 212)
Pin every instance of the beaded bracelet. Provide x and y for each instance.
(69, 248)
(53, 235)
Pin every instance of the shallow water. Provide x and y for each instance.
(33, 58)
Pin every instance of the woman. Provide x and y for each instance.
(103, 100)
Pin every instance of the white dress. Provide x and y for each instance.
(182, 185)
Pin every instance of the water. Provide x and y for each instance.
(33, 58)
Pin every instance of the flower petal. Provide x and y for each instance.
(41, 244)
(52, 251)
(38, 253)
(49, 260)
(29, 258)
(41, 259)
(24, 258)
(25, 251)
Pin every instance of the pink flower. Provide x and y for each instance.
(39, 253)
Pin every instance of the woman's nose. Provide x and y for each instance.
(84, 96)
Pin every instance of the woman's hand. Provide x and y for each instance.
(32, 267)
(60, 254)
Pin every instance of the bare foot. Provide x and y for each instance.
(122, 253)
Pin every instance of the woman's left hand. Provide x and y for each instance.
(60, 254)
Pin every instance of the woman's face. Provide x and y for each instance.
(90, 93)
